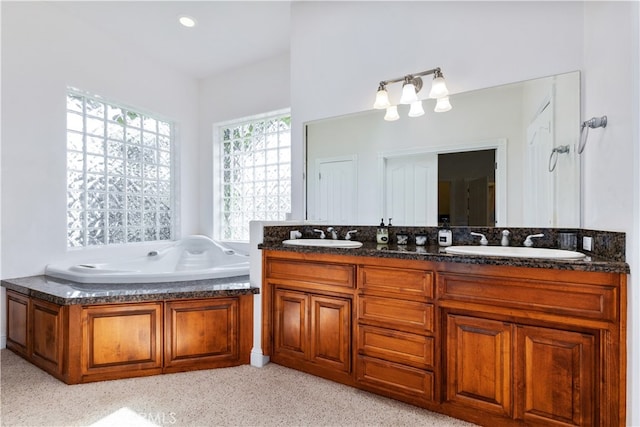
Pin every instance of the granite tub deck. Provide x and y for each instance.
(66, 292)
(82, 332)
(609, 256)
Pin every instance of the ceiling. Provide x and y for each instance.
(228, 34)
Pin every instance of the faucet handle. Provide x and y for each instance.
(528, 242)
(322, 235)
(483, 240)
(348, 236)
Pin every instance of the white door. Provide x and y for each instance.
(538, 189)
(411, 189)
(336, 191)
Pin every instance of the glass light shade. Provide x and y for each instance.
(382, 100)
(408, 94)
(187, 21)
(416, 109)
(438, 88)
(392, 113)
(442, 105)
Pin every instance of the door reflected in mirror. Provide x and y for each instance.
(467, 188)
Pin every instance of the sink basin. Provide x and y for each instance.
(323, 243)
(515, 252)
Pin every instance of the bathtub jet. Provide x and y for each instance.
(191, 258)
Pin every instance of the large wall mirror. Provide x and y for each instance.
(503, 156)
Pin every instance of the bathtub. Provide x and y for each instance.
(191, 258)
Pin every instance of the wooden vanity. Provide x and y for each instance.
(491, 344)
(79, 334)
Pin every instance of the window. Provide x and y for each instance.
(255, 164)
(119, 174)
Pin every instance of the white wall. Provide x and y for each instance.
(483, 44)
(610, 159)
(254, 89)
(44, 50)
(476, 44)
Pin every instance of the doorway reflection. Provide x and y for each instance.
(467, 188)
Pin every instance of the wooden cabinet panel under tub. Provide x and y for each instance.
(35, 330)
(121, 338)
(81, 343)
(206, 333)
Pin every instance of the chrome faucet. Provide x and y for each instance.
(528, 242)
(483, 240)
(322, 236)
(348, 236)
(334, 235)
(505, 238)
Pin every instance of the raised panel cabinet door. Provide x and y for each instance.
(478, 360)
(201, 330)
(18, 322)
(48, 346)
(121, 337)
(331, 332)
(291, 326)
(556, 372)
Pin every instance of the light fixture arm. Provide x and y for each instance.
(436, 71)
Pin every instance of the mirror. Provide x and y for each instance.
(360, 168)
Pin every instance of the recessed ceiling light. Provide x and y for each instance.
(187, 21)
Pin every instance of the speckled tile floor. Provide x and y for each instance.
(240, 396)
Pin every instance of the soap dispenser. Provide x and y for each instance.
(382, 235)
(445, 237)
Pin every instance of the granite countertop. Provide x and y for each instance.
(437, 254)
(65, 292)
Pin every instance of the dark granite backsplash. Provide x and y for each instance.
(606, 244)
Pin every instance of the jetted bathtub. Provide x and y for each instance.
(192, 258)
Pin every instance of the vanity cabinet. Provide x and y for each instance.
(491, 344)
(83, 343)
(310, 310)
(396, 324)
(540, 347)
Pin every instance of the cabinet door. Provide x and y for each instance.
(18, 322)
(331, 332)
(556, 373)
(122, 338)
(478, 359)
(290, 324)
(201, 332)
(48, 343)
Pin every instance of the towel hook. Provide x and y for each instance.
(562, 149)
(593, 122)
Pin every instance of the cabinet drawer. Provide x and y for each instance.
(398, 314)
(316, 272)
(396, 346)
(403, 283)
(583, 300)
(394, 379)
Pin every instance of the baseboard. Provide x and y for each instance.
(258, 359)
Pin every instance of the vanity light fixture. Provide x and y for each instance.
(411, 85)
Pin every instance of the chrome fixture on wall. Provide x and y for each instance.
(593, 122)
(411, 85)
(553, 158)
